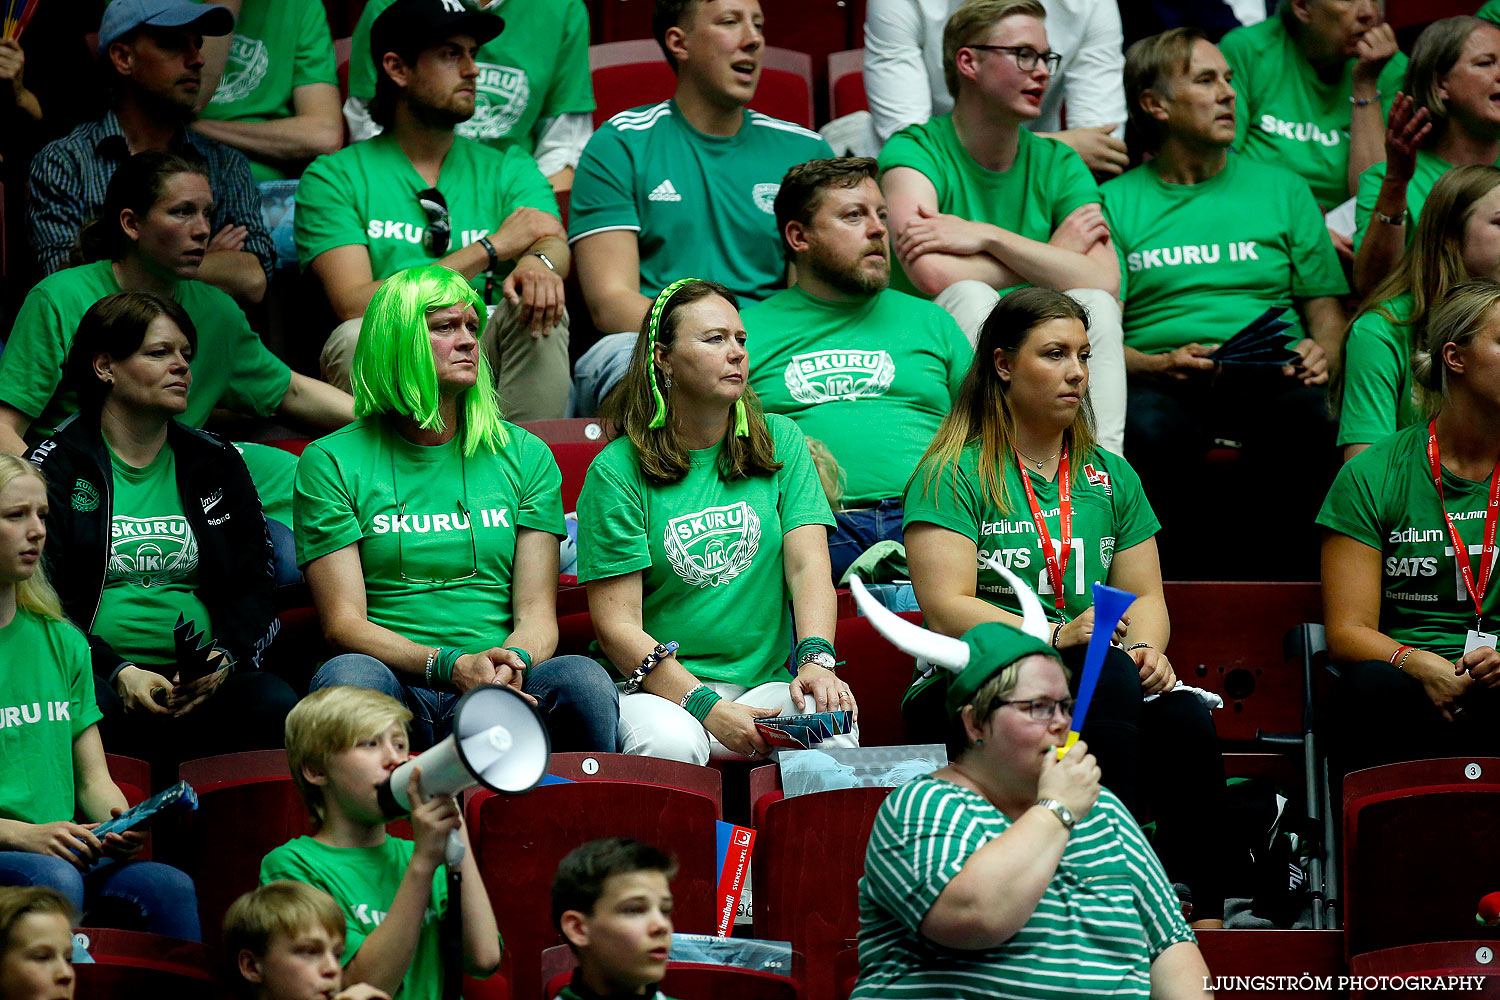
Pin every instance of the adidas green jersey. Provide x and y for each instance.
(1046, 182)
(537, 68)
(1199, 262)
(277, 47)
(698, 204)
(1379, 398)
(1286, 114)
(708, 551)
(1105, 915)
(870, 379)
(1384, 497)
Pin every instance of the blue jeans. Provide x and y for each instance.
(578, 701)
(857, 530)
(600, 370)
(159, 896)
(283, 553)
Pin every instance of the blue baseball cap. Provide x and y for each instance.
(122, 17)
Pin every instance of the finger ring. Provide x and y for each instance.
(751, 753)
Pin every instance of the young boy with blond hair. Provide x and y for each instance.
(612, 900)
(285, 941)
(342, 744)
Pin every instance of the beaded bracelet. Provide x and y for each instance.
(700, 701)
(1139, 645)
(432, 655)
(525, 656)
(1364, 102)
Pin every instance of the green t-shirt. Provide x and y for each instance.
(1286, 114)
(232, 368)
(1199, 262)
(1106, 914)
(871, 380)
(1429, 167)
(277, 47)
(1110, 514)
(274, 471)
(1490, 11)
(698, 204)
(363, 881)
(152, 573)
(1378, 394)
(48, 694)
(1046, 182)
(366, 195)
(1384, 497)
(430, 515)
(535, 69)
(709, 551)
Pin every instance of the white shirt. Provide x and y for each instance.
(904, 64)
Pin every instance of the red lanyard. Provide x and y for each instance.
(1460, 551)
(1057, 566)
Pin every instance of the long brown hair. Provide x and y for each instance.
(982, 410)
(663, 456)
(1433, 264)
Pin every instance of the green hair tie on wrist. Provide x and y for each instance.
(653, 327)
(701, 702)
(525, 656)
(811, 645)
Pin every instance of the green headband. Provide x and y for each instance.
(659, 418)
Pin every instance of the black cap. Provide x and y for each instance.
(409, 25)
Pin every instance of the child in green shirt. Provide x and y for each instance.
(612, 900)
(342, 745)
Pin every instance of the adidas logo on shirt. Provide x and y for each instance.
(664, 192)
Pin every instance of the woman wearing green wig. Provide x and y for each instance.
(694, 531)
(1011, 872)
(428, 528)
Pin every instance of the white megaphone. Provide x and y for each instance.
(498, 741)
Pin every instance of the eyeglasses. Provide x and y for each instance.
(401, 521)
(1041, 709)
(1025, 56)
(438, 235)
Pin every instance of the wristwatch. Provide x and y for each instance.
(542, 257)
(824, 660)
(1063, 813)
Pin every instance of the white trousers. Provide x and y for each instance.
(651, 726)
(969, 302)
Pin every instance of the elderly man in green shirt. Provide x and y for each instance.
(865, 369)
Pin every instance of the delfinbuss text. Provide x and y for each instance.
(1342, 985)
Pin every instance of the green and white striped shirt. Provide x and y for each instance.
(1105, 916)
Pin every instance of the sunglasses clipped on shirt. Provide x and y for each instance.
(438, 235)
(1025, 56)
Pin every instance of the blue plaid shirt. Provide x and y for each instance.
(69, 175)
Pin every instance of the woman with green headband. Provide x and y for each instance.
(1010, 872)
(694, 531)
(429, 527)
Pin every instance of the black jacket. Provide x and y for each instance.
(221, 505)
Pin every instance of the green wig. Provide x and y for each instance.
(393, 370)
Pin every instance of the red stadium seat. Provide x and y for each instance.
(342, 50)
(627, 74)
(247, 805)
(1412, 13)
(846, 83)
(879, 675)
(518, 843)
(809, 856)
(573, 461)
(640, 770)
(575, 634)
(130, 964)
(1227, 638)
(1271, 953)
(294, 445)
(132, 775)
(1400, 820)
(583, 430)
(1474, 959)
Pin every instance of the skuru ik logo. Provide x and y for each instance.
(765, 197)
(823, 376)
(84, 497)
(712, 546)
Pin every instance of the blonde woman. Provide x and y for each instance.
(56, 761)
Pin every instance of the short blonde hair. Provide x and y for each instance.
(330, 720)
(283, 907)
(971, 21)
(19, 901)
